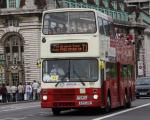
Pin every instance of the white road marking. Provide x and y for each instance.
(121, 112)
(19, 108)
(13, 118)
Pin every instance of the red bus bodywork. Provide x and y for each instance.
(117, 88)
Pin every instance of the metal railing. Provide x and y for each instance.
(146, 18)
(116, 15)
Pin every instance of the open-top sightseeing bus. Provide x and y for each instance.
(83, 64)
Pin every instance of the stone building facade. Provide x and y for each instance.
(20, 28)
(147, 50)
(142, 4)
(141, 9)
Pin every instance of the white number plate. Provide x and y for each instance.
(0, 97)
(85, 102)
(143, 93)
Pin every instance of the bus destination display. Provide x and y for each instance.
(68, 47)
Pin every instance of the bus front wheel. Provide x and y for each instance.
(56, 111)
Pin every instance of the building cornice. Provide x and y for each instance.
(19, 11)
(136, 1)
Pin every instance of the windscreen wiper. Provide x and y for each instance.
(62, 79)
(79, 77)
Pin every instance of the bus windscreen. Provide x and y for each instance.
(73, 22)
(75, 70)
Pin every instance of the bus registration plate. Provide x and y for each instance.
(85, 102)
(143, 93)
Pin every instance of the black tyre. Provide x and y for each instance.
(56, 111)
(125, 101)
(129, 101)
(108, 105)
(137, 97)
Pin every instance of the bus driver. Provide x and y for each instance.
(56, 70)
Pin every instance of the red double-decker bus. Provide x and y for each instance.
(83, 64)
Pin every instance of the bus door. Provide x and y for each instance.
(113, 79)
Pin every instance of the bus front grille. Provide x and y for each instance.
(64, 91)
(63, 104)
(64, 97)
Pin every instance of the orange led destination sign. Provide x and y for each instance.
(68, 47)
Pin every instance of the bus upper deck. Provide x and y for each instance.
(76, 31)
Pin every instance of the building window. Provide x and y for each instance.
(13, 3)
(15, 78)
(114, 4)
(13, 50)
(12, 22)
(92, 2)
(3, 4)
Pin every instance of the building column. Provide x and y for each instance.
(132, 32)
(147, 49)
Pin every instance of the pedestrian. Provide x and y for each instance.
(35, 87)
(39, 92)
(0, 94)
(4, 93)
(20, 92)
(28, 91)
(8, 92)
(13, 90)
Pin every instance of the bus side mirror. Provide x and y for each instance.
(38, 64)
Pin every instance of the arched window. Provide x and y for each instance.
(14, 50)
(14, 55)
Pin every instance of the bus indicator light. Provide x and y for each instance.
(68, 47)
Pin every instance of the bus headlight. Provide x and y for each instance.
(44, 97)
(95, 97)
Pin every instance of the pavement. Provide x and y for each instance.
(18, 102)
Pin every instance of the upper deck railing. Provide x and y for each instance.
(116, 15)
(119, 16)
(146, 18)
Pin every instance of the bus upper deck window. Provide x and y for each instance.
(73, 27)
(84, 27)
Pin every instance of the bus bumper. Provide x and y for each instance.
(92, 98)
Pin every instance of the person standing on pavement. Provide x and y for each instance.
(39, 92)
(28, 91)
(20, 92)
(4, 93)
(13, 90)
(35, 87)
(0, 94)
(8, 92)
